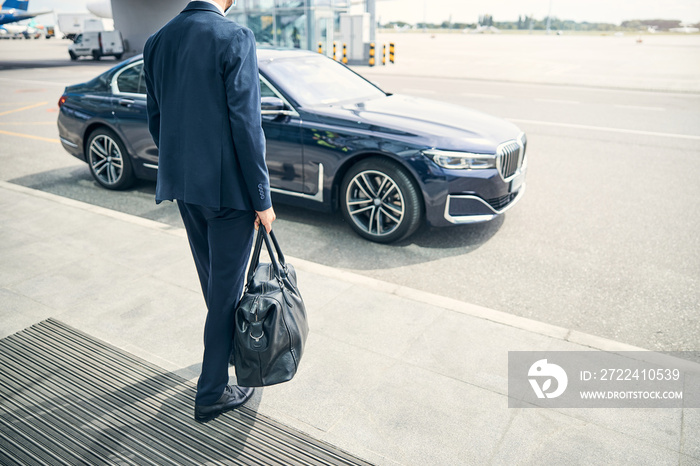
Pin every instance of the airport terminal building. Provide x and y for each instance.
(293, 24)
(280, 23)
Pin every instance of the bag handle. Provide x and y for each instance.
(280, 256)
(255, 259)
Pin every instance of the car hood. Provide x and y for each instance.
(427, 122)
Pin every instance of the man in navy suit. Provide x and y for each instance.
(204, 115)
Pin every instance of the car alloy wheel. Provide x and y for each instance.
(380, 201)
(109, 163)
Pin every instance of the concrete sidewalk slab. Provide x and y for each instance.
(391, 374)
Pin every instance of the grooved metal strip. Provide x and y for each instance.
(67, 398)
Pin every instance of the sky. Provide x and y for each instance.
(468, 11)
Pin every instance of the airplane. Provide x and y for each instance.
(13, 31)
(100, 8)
(16, 10)
(482, 30)
(685, 28)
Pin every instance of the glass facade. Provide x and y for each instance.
(292, 23)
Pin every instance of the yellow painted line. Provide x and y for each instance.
(26, 123)
(28, 136)
(23, 108)
(14, 104)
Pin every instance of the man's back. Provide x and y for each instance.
(203, 103)
(204, 111)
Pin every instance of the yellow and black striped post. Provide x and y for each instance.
(371, 54)
(345, 54)
(391, 52)
(320, 47)
(384, 55)
(334, 55)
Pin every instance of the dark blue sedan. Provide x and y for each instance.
(390, 163)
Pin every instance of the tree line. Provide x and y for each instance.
(530, 23)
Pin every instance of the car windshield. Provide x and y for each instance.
(317, 80)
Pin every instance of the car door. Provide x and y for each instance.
(284, 154)
(129, 90)
(83, 44)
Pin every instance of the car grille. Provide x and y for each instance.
(510, 157)
(499, 203)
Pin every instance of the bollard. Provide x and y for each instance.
(391, 52)
(320, 47)
(371, 54)
(384, 55)
(334, 56)
(345, 54)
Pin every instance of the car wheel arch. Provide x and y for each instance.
(94, 126)
(89, 129)
(357, 158)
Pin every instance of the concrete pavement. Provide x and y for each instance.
(391, 374)
(661, 62)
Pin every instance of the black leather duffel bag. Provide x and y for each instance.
(271, 326)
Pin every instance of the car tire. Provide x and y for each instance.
(118, 56)
(72, 54)
(380, 200)
(96, 55)
(108, 160)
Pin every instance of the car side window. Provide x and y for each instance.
(142, 83)
(129, 80)
(265, 90)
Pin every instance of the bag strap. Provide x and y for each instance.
(261, 237)
(280, 256)
(254, 259)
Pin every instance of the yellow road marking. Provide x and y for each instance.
(28, 136)
(13, 104)
(26, 123)
(23, 108)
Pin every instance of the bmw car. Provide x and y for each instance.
(390, 163)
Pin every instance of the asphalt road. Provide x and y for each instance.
(604, 240)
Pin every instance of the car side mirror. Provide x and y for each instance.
(273, 106)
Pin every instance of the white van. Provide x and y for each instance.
(97, 44)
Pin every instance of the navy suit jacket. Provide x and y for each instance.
(203, 90)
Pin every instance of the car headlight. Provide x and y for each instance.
(461, 160)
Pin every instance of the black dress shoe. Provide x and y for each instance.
(233, 397)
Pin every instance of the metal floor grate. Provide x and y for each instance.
(67, 398)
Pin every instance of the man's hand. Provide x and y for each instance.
(266, 217)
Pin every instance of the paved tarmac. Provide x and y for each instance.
(664, 62)
(602, 242)
(391, 374)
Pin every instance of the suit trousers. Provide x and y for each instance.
(221, 242)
